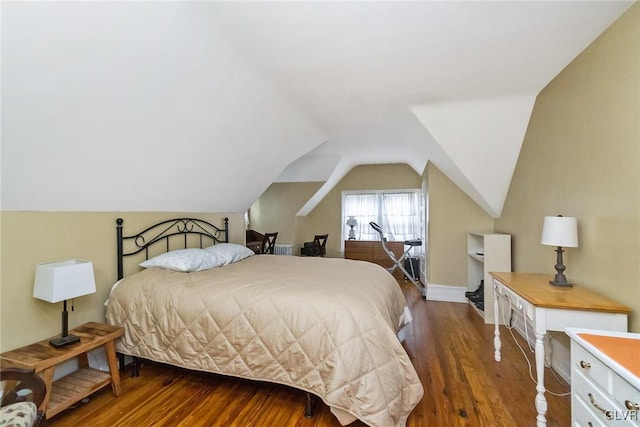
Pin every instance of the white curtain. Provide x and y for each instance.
(400, 216)
(364, 208)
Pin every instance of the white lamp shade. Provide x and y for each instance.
(59, 281)
(352, 222)
(560, 231)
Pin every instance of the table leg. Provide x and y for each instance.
(47, 376)
(497, 344)
(547, 351)
(541, 401)
(110, 350)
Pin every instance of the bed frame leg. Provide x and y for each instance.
(120, 361)
(308, 410)
(136, 367)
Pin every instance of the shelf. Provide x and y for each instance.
(496, 250)
(75, 387)
(476, 256)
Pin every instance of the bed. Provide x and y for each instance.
(326, 326)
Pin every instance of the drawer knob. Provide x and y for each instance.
(606, 412)
(632, 406)
(585, 365)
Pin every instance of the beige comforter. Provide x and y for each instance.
(326, 326)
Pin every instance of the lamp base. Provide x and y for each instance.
(560, 279)
(560, 282)
(352, 233)
(64, 341)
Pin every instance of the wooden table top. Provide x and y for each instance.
(535, 288)
(41, 355)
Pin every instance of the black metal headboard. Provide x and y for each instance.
(205, 233)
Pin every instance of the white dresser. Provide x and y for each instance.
(605, 378)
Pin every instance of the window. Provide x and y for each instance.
(397, 211)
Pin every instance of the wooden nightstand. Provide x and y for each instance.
(74, 387)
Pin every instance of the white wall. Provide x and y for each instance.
(112, 106)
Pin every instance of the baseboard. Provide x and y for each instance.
(446, 293)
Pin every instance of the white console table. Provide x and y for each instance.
(551, 308)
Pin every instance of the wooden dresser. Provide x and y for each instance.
(372, 251)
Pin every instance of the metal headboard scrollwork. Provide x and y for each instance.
(205, 233)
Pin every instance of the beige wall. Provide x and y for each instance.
(581, 157)
(327, 216)
(274, 210)
(451, 215)
(29, 238)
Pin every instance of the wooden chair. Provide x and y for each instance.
(21, 390)
(317, 247)
(269, 243)
(321, 243)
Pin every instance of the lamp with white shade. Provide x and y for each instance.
(560, 231)
(62, 281)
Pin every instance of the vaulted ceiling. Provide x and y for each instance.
(200, 106)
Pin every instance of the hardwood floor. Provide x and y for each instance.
(450, 346)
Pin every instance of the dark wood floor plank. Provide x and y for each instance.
(448, 343)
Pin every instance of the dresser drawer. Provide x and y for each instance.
(372, 251)
(357, 255)
(626, 396)
(397, 248)
(591, 367)
(360, 250)
(599, 403)
(582, 415)
(516, 301)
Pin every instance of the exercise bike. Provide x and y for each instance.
(398, 262)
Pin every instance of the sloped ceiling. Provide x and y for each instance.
(200, 106)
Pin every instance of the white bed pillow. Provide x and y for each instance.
(184, 260)
(229, 252)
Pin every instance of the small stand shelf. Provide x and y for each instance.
(74, 387)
